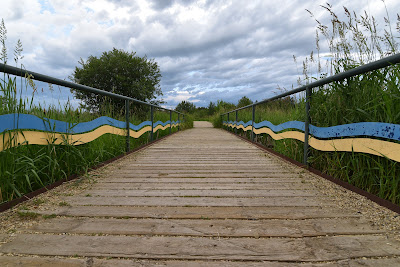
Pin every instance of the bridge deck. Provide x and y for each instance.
(200, 197)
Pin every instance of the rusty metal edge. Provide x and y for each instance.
(380, 201)
(8, 205)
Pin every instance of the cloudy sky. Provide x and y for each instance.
(207, 50)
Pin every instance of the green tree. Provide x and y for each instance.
(211, 108)
(244, 101)
(223, 106)
(119, 72)
(185, 106)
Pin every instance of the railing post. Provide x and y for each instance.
(152, 123)
(170, 121)
(252, 123)
(228, 123)
(236, 119)
(179, 122)
(307, 125)
(127, 125)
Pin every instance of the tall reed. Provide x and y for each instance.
(23, 167)
(372, 97)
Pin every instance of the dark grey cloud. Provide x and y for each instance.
(163, 4)
(240, 47)
(124, 3)
(207, 50)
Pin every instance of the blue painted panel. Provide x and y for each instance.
(140, 126)
(371, 129)
(161, 123)
(284, 126)
(244, 124)
(31, 122)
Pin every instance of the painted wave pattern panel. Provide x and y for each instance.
(41, 131)
(11, 122)
(331, 137)
(371, 129)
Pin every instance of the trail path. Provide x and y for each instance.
(201, 197)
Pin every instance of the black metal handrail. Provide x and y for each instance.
(48, 79)
(379, 64)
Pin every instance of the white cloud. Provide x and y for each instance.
(207, 50)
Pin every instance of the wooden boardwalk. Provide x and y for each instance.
(201, 197)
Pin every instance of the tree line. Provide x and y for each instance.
(213, 108)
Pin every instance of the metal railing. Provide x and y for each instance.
(51, 80)
(379, 64)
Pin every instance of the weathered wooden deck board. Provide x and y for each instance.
(203, 213)
(215, 228)
(226, 185)
(199, 201)
(200, 193)
(306, 249)
(201, 198)
(85, 262)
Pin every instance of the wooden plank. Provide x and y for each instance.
(265, 172)
(203, 175)
(89, 261)
(261, 168)
(171, 161)
(304, 249)
(249, 213)
(198, 193)
(226, 164)
(200, 201)
(207, 227)
(200, 186)
(43, 261)
(216, 180)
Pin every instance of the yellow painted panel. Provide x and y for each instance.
(44, 138)
(364, 145)
(284, 135)
(160, 127)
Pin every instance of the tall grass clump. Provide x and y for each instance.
(348, 41)
(25, 168)
(371, 97)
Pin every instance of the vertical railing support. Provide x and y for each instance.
(179, 123)
(127, 126)
(152, 123)
(252, 123)
(307, 126)
(236, 124)
(228, 123)
(170, 121)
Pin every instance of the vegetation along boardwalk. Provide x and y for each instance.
(200, 197)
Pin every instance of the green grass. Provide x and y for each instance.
(27, 215)
(25, 168)
(64, 204)
(49, 216)
(371, 97)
